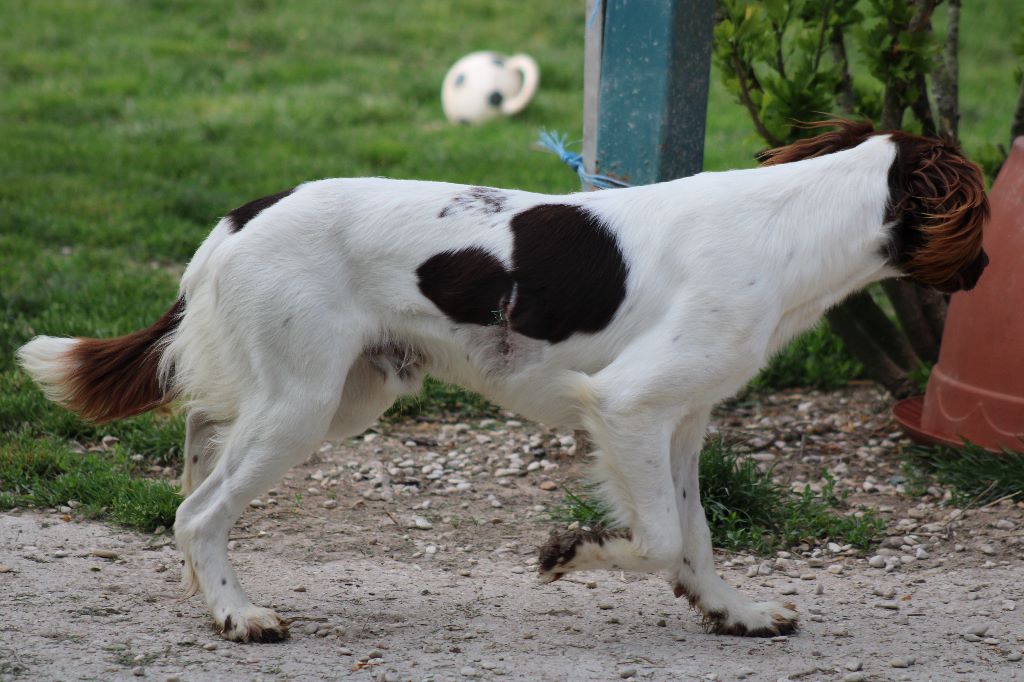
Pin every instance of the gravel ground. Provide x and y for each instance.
(409, 553)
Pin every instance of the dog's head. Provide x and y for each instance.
(937, 203)
(937, 206)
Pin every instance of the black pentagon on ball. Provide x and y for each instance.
(495, 99)
(459, 80)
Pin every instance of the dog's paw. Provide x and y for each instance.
(764, 619)
(581, 549)
(253, 624)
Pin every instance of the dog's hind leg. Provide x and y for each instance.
(200, 451)
(275, 429)
(634, 476)
(725, 609)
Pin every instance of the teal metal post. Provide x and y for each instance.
(655, 61)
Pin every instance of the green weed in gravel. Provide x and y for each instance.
(974, 476)
(747, 511)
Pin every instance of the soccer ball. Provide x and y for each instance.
(483, 85)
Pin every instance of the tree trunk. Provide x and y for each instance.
(887, 336)
(906, 298)
(877, 364)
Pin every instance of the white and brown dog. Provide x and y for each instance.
(628, 313)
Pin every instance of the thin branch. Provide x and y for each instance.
(923, 18)
(1017, 127)
(906, 301)
(892, 97)
(947, 77)
(780, 31)
(863, 346)
(826, 9)
(922, 108)
(845, 95)
(886, 335)
(741, 75)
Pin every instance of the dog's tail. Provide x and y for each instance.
(104, 379)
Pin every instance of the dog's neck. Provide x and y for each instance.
(810, 233)
(831, 219)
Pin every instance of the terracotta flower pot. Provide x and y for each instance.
(976, 391)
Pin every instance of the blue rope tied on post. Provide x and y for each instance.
(556, 143)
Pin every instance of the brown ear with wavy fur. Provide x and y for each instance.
(938, 202)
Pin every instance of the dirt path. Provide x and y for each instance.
(370, 596)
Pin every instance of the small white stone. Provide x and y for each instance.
(257, 504)
(420, 523)
(977, 629)
(329, 504)
(877, 561)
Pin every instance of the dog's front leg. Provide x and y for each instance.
(633, 472)
(725, 609)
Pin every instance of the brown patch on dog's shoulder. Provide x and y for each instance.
(246, 212)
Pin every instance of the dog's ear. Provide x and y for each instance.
(937, 206)
(845, 134)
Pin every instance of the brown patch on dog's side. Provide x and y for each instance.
(568, 275)
(246, 212)
(570, 271)
(468, 285)
(117, 378)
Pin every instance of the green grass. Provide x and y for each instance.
(747, 511)
(127, 127)
(817, 359)
(41, 473)
(974, 476)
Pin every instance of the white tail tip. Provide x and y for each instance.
(47, 360)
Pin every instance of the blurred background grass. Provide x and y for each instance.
(127, 127)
